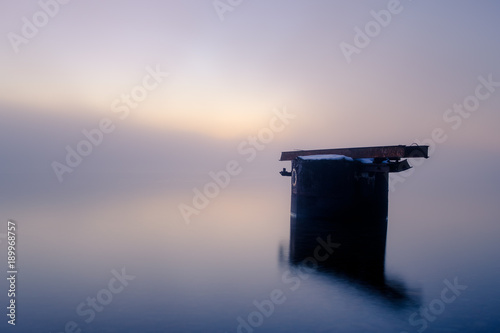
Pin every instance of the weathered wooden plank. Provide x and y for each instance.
(390, 152)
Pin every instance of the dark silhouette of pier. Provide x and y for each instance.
(339, 211)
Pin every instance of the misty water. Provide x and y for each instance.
(215, 273)
(150, 97)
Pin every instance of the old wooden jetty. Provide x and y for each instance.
(341, 197)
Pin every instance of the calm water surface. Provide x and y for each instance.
(221, 272)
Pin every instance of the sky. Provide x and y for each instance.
(227, 67)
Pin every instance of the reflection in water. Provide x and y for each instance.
(348, 260)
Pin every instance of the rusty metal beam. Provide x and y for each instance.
(389, 152)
